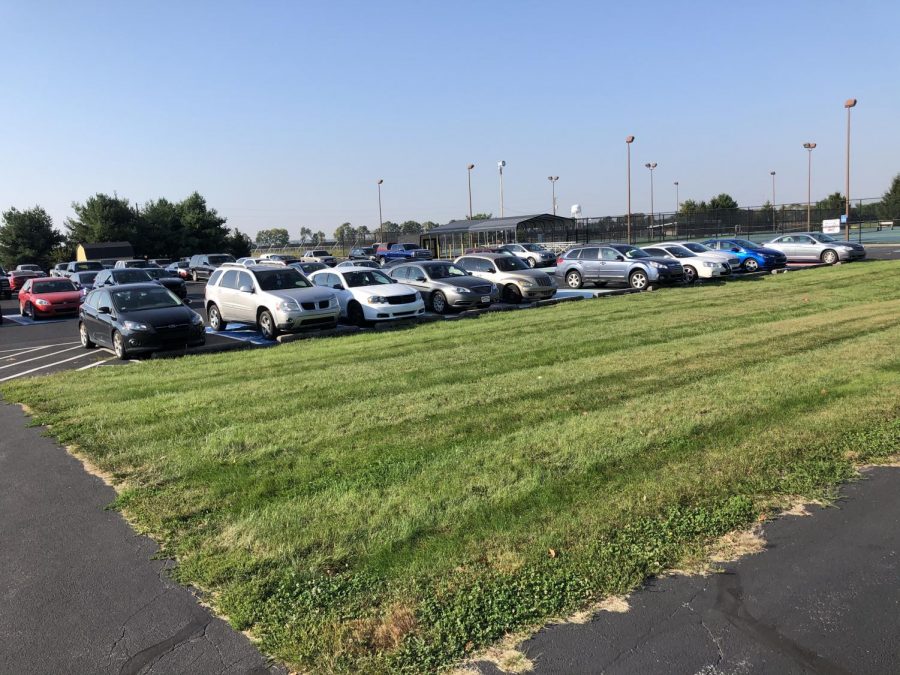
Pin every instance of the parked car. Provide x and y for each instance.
(34, 268)
(181, 268)
(319, 255)
(55, 271)
(246, 262)
(445, 286)
(138, 318)
(47, 297)
(137, 262)
(534, 255)
(816, 247)
(359, 263)
(753, 257)
(117, 277)
(84, 281)
(203, 265)
(161, 262)
(171, 281)
(394, 251)
(725, 257)
(278, 257)
(81, 266)
(5, 290)
(516, 281)
(362, 253)
(693, 265)
(308, 268)
(369, 295)
(17, 278)
(275, 299)
(603, 264)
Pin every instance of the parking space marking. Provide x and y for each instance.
(26, 321)
(242, 333)
(95, 363)
(46, 365)
(19, 351)
(38, 358)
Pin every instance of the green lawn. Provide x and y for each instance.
(387, 502)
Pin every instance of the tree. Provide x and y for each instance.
(428, 225)
(411, 227)
(276, 237)
(305, 233)
(689, 206)
(104, 218)
(204, 228)
(833, 202)
(722, 201)
(480, 216)
(238, 244)
(161, 232)
(345, 234)
(320, 238)
(28, 237)
(889, 208)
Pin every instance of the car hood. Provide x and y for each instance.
(157, 317)
(385, 289)
(314, 294)
(653, 258)
(766, 251)
(170, 281)
(525, 275)
(63, 296)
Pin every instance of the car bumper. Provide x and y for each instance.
(711, 272)
(66, 310)
(393, 312)
(668, 277)
(312, 318)
(539, 293)
(465, 300)
(139, 341)
(851, 255)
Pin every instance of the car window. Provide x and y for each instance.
(590, 253)
(278, 279)
(510, 264)
(445, 271)
(130, 276)
(103, 300)
(219, 259)
(143, 298)
(214, 277)
(91, 300)
(245, 280)
(366, 277)
(608, 253)
(230, 280)
(574, 254)
(696, 248)
(662, 253)
(27, 287)
(400, 273)
(805, 240)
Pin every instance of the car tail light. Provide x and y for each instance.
(559, 260)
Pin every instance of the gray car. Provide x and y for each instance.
(816, 247)
(516, 281)
(443, 285)
(534, 255)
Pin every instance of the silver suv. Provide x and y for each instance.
(615, 263)
(515, 279)
(273, 298)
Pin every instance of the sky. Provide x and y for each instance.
(285, 114)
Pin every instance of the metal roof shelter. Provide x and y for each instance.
(451, 239)
(107, 250)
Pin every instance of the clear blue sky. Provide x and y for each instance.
(286, 113)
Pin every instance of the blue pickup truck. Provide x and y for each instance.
(391, 252)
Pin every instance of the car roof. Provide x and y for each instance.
(486, 256)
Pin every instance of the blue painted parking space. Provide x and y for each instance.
(237, 331)
(26, 321)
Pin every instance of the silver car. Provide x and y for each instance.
(517, 282)
(273, 298)
(816, 247)
(443, 285)
(534, 255)
(360, 263)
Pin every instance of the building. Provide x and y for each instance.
(453, 238)
(107, 250)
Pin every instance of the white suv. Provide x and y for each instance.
(273, 298)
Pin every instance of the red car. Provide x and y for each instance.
(49, 296)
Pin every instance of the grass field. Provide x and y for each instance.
(389, 502)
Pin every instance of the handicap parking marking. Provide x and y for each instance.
(243, 333)
(28, 321)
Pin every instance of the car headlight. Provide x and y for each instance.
(287, 305)
(418, 295)
(40, 302)
(527, 284)
(845, 248)
(377, 300)
(136, 326)
(657, 265)
(196, 319)
(459, 289)
(709, 264)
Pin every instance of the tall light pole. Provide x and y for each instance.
(651, 166)
(774, 226)
(849, 103)
(553, 180)
(628, 141)
(500, 166)
(809, 148)
(380, 219)
(677, 200)
(469, 169)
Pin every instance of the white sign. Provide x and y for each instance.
(831, 226)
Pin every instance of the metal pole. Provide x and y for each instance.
(380, 218)
(677, 200)
(849, 103)
(628, 141)
(651, 201)
(500, 166)
(774, 226)
(469, 170)
(809, 148)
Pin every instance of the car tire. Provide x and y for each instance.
(573, 279)
(118, 343)
(194, 276)
(829, 257)
(532, 263)
(513, 294)
(690, 274)
(86, 341)
(215, 318)
(267, 325)
(355, 314)
(439, 302)
(750, 265)
(639, 280)
(29, 312)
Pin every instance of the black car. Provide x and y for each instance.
(138, 318)
(121, 275)
(309, 267)
(203, 265)
(5, 290)
(168, 279)
(84, 281)
(362, 253)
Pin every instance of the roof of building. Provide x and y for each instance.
(491, 225)
(107, 249)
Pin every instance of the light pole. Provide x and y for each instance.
(809, 148)
(628, 141)
(677, 200)
(651, 166)
(849, 103)
(380, 219)
(469, 169)
(774, 226)
(500, 166)
(553, 180)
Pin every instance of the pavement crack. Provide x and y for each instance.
(716, 641)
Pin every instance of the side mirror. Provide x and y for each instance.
(187, 301)
(620, 258)
(338, 287)
(419, 279)
(103, 310)
(246, 289)
(735, 249)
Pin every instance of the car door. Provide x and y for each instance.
(228, 296)
(89, 314)
(614, 265)
(103, 326)
(244, 305)
(806, 247)
(415, 277)
(591, 264)
(784, 244)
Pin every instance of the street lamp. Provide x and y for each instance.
(809, 148)
(628, 141)
(469, 168)
(651, 166)
(774, 227)
(849, 103)
(677, 200)
(380, 219)
(500, 166)
(553, 180)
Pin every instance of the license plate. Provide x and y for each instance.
(485, 298)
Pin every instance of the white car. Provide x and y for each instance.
(694, 266)
(733, 262)
(369, 295)
(246, 262)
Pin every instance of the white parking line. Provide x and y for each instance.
(37, 358)
(95, 363)
(46, 365)
(22, 350)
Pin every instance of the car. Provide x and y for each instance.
(370, 295)
(307, 268)
(138, 318)
(48, 297)
(401, 251)
(693, 265)
(534, 255)
(246, 262)
(122, 275)
(37, 269)
(515, 280)
(359, 263)
(275, 299)
(5, 290)
(168, 279)
(55, 271)
(136, 262)
(753, 257)
(180, 268)
(319, 255)
(362, 253)
(17, 278)
(160, 262)
(201, 266)
(81, 266)
(725, 257)
(603, 264)
(84, 281)
(445, 286)
(278, 257)
(816, 247)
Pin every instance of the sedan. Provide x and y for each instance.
(446, 286)
(753, 256)
(731, 261)
(534, 255)
(694, 266)
(362, 253)
(169, 280)
(360, 263)
(84, 281)
(370, 295)
(817, 247)
(49, 297)
(34, 268)
(180, 268)
(121, 275)
(308, 268)
(138, 318)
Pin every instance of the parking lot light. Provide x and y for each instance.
(553, 180)
(651, 166)
(774, 227)
(849, 103)
(809, 148)
(628, 141)
(380, 218)
(469, 169)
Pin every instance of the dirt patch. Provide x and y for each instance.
(614, 603)
(505, 655)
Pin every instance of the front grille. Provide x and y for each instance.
(308, 305)
(401, 299)
(422, 254)
(173, 331)
(482, 290)
(544, 281)
(323, 304)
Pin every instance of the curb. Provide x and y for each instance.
(205, 349)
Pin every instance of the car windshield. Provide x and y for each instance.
(631, 251)
(533, 247)
(87, 266)
(696, 248)
(444, 271)
(510, 264)
(131, 276)
(824, 238)
(35, 268)
(321, 253)
(367, 278)
(409, 247)
(139, 299)
(86, 277)
(219, 259)
(60, 286)
(746, 243)
(679, 251)
(158, 273)
(309, 267)
(281, 279)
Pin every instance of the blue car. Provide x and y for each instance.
(753, 257)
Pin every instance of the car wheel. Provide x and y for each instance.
(438, 302)
(83, 333)
(573, 279)
(751, 265)
(267, 325)
(638, 280)
(29, 311)
(194, 276)
(513, 294)
(532, 262)
(690, 274)
(829, 257)
(119, 346)
(215, 318)
(355, 314)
